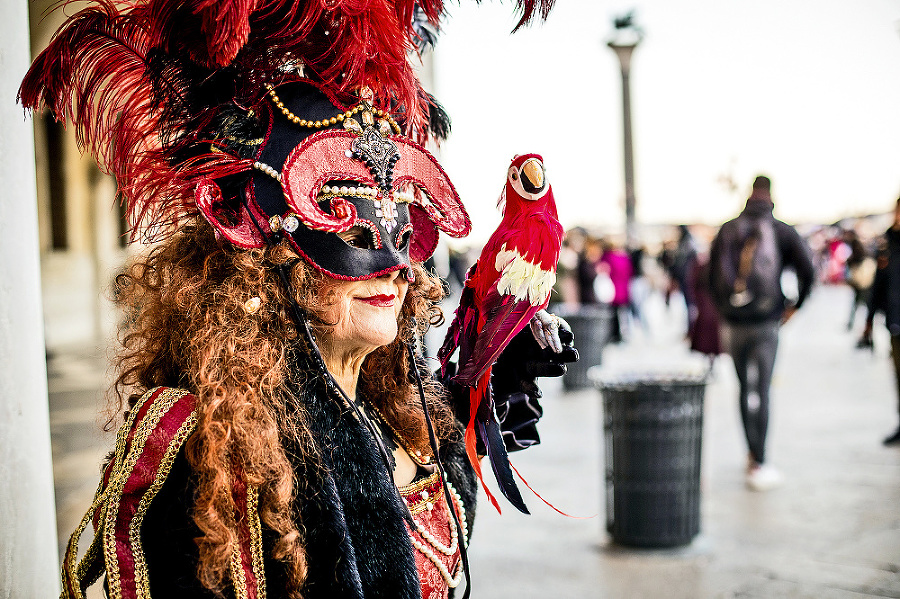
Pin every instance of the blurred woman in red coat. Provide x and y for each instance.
(703, 330)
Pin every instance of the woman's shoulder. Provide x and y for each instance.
(147, 445)
(158, 417)
(153, 433)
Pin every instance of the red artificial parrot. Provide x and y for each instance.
(505, 289)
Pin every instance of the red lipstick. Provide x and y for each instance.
(381, 301)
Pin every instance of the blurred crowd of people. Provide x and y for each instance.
(596, 269)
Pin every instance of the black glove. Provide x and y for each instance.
(524, 360)
(515, 389)
(513, 383)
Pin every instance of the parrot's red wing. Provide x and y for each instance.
(502, 323)
(463, 329)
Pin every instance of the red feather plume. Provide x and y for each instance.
(529, 8)
(126, 74)
(94, 75)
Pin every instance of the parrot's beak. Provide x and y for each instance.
(532, 174)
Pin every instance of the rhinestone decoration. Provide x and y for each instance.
(375, 236)
(353, 126)
(290, 223)
(275, 223)
(386, 210)
(379, 155)
(404, 197)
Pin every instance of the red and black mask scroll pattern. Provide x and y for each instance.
(355, 201)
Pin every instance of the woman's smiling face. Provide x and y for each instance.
(363, 314)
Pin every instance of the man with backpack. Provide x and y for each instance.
(747, 258)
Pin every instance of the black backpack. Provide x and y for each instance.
(747, 282)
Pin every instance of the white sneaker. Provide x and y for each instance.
(763, 477)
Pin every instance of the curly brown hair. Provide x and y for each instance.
(186, 326)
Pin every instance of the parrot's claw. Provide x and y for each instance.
(545, 328)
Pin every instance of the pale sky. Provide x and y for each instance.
(805, 91)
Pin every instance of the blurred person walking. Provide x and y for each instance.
(615, 263)
(839, 253)
(677, 263)
(703, 333)
(747, 258)
(665, 259)
(588, 259)
(566, 287)
(860, 273)
(638, 286)
(885, 298)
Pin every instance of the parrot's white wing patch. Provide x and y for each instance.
(522, 279)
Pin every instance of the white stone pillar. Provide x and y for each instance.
(29, 563)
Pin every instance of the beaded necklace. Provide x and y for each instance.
(414, 454)
(418, 499)
(343, 117)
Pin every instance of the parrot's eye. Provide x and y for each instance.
(515, 176)
(358, 237)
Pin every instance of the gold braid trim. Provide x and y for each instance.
(72, 575)
(239, 579)
(101, 556)
(141, 578)
(148, 424)
(412, 493)
(256, 548)
(237, 575)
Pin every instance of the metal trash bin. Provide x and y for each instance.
(653, 425)
(592, 327)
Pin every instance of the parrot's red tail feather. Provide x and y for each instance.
(475, 395)
(538, 495)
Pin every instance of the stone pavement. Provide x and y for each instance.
(832, 531)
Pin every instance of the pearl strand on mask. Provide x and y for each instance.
(262, 166)
(401, 197)
(362, 190)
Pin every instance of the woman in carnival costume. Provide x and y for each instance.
(281, 436)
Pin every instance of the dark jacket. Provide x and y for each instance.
(885, 295)
(724, 259)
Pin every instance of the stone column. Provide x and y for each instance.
(29, 564)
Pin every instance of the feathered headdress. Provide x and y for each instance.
(143, 81)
